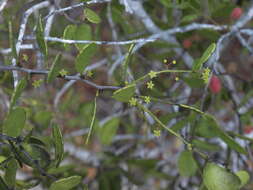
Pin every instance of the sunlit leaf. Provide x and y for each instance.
(66, 183)
(92, 16)
(206, 55)
(124, 94)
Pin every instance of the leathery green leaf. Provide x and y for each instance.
(65, 183)
(15, 122)
(58, 143)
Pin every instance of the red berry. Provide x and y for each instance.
(215, 84)
(187, 43)
(248, 129)
(236, 13)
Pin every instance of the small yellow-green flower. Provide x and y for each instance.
(150, 85)
(189, 147)
(157, 132)
(147, 99)
(89, 73)
(152, 74)
(25, 57)
(63, 72)
(205, 75)
(165, 61)
(133, 101)
(174, 62)
(37, 83)
(177, 78)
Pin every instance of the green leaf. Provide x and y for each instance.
(186, 164)
(10, 173)
(127, 60)
(66, 183)
(3, 184)
(36, 152)
(206, 55)
(55, 68)
(40, 37)
(189, 18)
(93, 119)
(83, 59)
(124, 94)
(216, 177)
(69, 33)
(15, 122)
(17, 92)
(61, 169)
(244, 177)
(11, 41)
(91, 16)
(58, 143)
(204, 145)
(224, 136)
(82, 32)
(43, 118)
(108, 130)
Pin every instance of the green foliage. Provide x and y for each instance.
(58, 143)
(218, 178)
(17, 92)
(10, 173)
(40, 37)
(244, 177)
(91, 16)
(224, 136)
(66, 183)
(55, 68)
(108, 130)
(187, 166)
(206, 55)
(124, 94)
(83, 59)
(15, 122)
(147, 107)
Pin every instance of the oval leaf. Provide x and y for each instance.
(187, 166)
(55, 68)
(66, 183)
(58, 143)
(244, 177)
(91, 16)
(108, 131)
(10, 173)
(82, 32)
(216, 177)
(83, 59)
(124, 94)
(69, 33)
(15, 122)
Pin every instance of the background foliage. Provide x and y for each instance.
(126, 94)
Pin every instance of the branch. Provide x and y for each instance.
(67, 77)
(76, 6)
